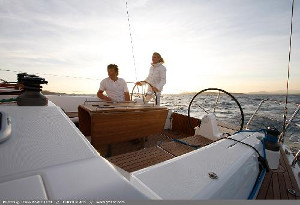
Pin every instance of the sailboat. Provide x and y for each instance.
(42, 148)
(59, 147)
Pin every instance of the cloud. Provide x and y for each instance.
(197, 36)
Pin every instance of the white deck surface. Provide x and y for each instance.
(187, 176)
(47, 154)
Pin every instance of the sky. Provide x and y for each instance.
(238, 46)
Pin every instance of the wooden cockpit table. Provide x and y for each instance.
(109, 123)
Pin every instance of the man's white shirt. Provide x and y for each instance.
(114, 89)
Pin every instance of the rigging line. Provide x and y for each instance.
(55, 75)
(288, 76)
(132, 50)
(66, 76)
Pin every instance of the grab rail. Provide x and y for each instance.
(289, 122)
(251, 118)
(281, 136)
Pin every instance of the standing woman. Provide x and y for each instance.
(156, 76)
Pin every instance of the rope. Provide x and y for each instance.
(65, 76)
(288, 77)
(261, 159)
(8, 100)
(187, 144)
(4, 81)
(132, 50)
(264, 166)
(260, 176)
(182, 142)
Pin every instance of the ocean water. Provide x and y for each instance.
(227, 109)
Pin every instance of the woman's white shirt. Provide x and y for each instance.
(157, 76)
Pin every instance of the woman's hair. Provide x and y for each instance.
(161, 60)
(113, 66)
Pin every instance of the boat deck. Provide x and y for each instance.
(144, 152)
(277, 183)
(164, 150)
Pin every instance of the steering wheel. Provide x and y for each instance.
(222, 104)
(143, 93)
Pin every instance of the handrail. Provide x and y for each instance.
(296, 158)
(260, 104)
(216, 102)
(288, 124)
(104, 101)
(281, 136)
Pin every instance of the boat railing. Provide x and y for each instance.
(296, 159)
(289, 122)
(254, 114)
(279, 118)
